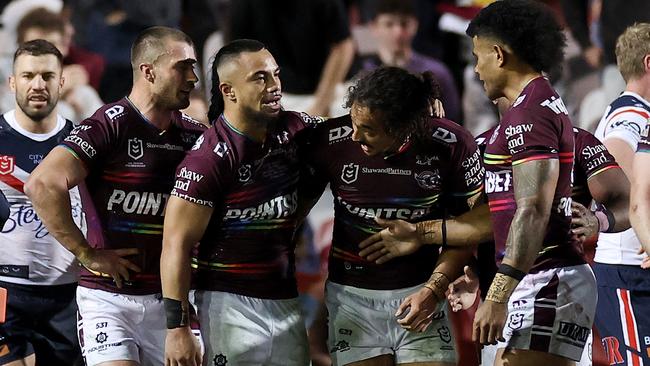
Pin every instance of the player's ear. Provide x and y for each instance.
(500, 54)
(646, 63)
(12, 83)
(228, 91)
(147, 72)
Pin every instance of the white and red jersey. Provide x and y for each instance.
(29, 255)
(625, 118)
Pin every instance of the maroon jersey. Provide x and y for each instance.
(536, 127)
(591, 159)
(130, 165)
(423, 181)
(247, 248)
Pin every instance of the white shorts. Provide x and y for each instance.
(552, 311)
(362, 325)
(242, 330)
(122, 327)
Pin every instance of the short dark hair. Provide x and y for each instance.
(39, 18)
(402, 98)
(224, 55)
(401, 7)
(38, 47)
(152, 40)
(528, 27)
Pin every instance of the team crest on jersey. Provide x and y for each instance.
(7, 164)
(245, 173)
(516, 321)
(350, 173)
(428, 179)
(135, 148)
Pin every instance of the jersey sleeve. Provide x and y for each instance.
(626, 124)
(592, 156)
(201, 176)
(90, 141)
(530, 136)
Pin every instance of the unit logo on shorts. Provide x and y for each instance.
(341, 346)
(7, 164)
(220, 360)
(516, 321)
(445, 334)
(101, 337)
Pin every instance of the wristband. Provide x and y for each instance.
(500, 289)
(606, 221)
(438, 284)
(176, 316)
(511, 271)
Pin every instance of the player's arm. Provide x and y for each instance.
(640, 199)
(534, 184)
(48, 188)
(4, 209)
(185, 223)
(622, 152)
(399, 238)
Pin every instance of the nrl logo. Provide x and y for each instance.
(135, 148)
(350, 173)
(7, 164)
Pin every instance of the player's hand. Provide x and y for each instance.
(419, 308)
(109, 263)
(489, 320)
(463, 291)
(398, 238)
(584, 223)
(182, 348)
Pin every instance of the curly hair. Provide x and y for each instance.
(528, 27)
(226, 54)
(403, 99)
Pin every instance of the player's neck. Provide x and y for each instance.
(640, 86)
(517, 82)
(397, 58)
(46, 125)
(144, 103)
(254, 130)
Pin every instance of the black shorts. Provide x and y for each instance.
(40, 320)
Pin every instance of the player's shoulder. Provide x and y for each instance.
(446, 132)
(188, 123)
(113, 113)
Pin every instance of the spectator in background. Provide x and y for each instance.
(78, 65)
(394, 25)
(311, 42)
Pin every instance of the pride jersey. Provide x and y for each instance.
(536, 127)
(247, 247)
(423, 181)
(130, 165)
(591, 159)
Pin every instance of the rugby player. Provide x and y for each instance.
(39, 274)
(390, 159)
(236, 194)
(124, 158)
(622, 317)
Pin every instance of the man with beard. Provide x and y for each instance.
(124, 157)
(38, 273)
(236, 194)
